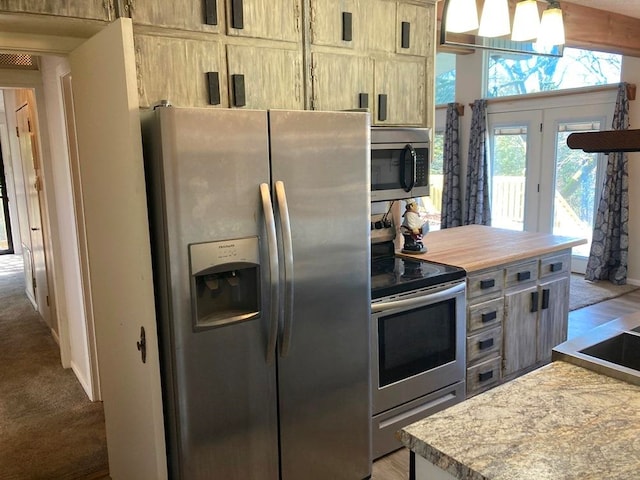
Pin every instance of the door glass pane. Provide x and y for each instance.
(575, 189)
(509, 169)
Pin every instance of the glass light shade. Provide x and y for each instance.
(526, 22)
(495, 19)
(462, 16)
(551, 28)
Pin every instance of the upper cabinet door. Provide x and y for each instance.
(92, 9)
(364, 25)
(341, 82)
(270, 19)
(198, 15)
(415, 30)
(263, 78)
(189, 62)
(400, 94)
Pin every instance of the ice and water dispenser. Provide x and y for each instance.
(225, 281)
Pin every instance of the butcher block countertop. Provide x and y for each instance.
(558, 422)
(476, 247)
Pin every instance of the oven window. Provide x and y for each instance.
(416, 341)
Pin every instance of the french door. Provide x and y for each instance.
(539, 184)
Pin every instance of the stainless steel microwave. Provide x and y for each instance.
(400, 159)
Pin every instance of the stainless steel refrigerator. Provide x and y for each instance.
(260, 228)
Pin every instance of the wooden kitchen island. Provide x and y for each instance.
(560, 422)
(517, 296)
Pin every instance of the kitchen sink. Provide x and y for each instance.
(612, 349)
(623, 349)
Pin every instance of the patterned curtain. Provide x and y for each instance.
(478, 203)
(451, 203)
(610, 243)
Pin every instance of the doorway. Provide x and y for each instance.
(6, 237)
(537, 183)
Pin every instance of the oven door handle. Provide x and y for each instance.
(419, 301)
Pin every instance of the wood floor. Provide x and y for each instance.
(395, 466)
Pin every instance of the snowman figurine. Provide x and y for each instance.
(413, 228)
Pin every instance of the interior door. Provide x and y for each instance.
(118, 257)
(33, 187)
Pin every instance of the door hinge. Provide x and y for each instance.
(17, 132)
(541, 128)
(33, 282)
(37, 184)
(47, 301)
(29, 125)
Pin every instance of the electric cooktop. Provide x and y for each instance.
(391, 275)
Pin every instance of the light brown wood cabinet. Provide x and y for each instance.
(267, 19)
(88, 9)
(191, 15)
(529, 300)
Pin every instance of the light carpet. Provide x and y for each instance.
(584, 293)
(48, 427)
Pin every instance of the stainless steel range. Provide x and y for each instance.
(417, 338)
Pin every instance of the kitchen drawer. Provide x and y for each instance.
(484, 344)
(555, 264)
(485, 315)
(485, 283)
(521, 273)
(483, 376)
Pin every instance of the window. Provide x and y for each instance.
(514, 74)
(445, 88)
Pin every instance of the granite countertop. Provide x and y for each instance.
(558, 422)
(476, 247)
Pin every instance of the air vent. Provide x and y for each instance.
(18, 60)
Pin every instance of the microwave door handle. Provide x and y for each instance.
(272, 246)
(408, 150)
(287, 248)
(426, 299)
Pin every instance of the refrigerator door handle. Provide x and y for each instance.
(287, 248)
(272, 245)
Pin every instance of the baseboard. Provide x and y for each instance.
(633, 281)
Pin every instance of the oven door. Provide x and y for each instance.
(399, 171)
(417, 344)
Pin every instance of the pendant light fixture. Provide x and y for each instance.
(551, 26)
(464, 16)
(526, 22)
(495, 19)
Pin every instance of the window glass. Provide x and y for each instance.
(517, 74)
(445, 88)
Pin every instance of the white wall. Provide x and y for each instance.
(631, 74)
(9, 176)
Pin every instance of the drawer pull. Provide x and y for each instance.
(484, 344)
(238, 90)
(556, 267)
(522, 276)
(213, 82)
(382, 107)
(487, 317)
(484, 284)
(210, 12)
(484, 376)
(237, 14)
(534, 302)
